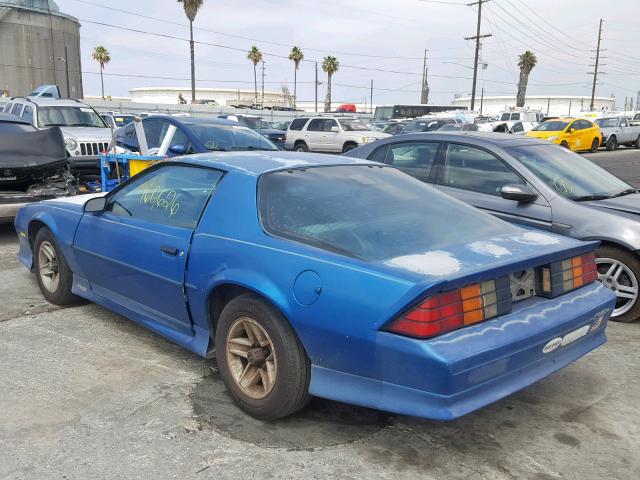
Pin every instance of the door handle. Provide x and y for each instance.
(173, 251)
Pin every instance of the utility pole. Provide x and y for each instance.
(595, 70)
(316, 83)
(481, 100)
(262, 99)
(371, 97)
(424, 92)
(477, 38)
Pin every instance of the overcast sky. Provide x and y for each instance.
(383, 40)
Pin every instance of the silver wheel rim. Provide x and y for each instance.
(251, 358)
(48, 266)
(620, 279)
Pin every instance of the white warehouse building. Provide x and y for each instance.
(547, 104)
(222, 96)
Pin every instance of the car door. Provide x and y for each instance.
(475, 176)
(582, 135)
(134, 252)
(413, 158)
(314, 134)
(331, 136)
(624, 131)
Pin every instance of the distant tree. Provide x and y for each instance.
(102, 56)
(330, 65)
(191, 8)
(526, 62)
(296, 56)
(255, 55)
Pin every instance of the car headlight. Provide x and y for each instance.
(553, 139)
(71, 143)
(367, 139)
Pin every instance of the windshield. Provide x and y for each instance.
(229, 137)
(254, 123)
(352, 124)
(607, 122)
(568, 173)
(373, 213)
(69, 117)
(551, 126)
(383, 113)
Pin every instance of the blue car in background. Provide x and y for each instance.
(194, 135)
(261, 126)
(321, 275)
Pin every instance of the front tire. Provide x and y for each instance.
(619, 271)
(52, 271)
(594, 145)
(262, 363)
(348, 147)
(636, 144)
(564, 144)
(612, 143)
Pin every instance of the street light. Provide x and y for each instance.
(66, 68)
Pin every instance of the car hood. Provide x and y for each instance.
(87, 133)
(74, 203)
(545, 134)
(626, 204)
(502, 254)
(271, 131)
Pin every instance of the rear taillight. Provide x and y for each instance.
(566, 275)
(449, 311)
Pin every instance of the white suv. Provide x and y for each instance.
(330, 134)
(85, 133)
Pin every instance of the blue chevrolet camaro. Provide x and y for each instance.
(329, 276)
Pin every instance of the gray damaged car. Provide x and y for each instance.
(533, 183)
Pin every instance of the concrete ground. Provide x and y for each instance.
(88, 394)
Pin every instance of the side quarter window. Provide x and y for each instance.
(173, 195)
(474, 169)
(27, 113)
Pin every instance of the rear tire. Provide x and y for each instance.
(636, 144)
(564, 144)
(301, 147)
(348, 147)
(612, 143)
(261, 361)
(594, 145)
(619, 270)
(52, 271)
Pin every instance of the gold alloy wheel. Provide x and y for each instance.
(48, 266)
(251, 358)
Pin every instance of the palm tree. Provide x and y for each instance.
(296, 56)
(102, 56)
(191, 8)
(526, 62)
(330, 65)
(255, 55)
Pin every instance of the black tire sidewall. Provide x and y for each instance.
(633, 263)
(290, 392)
(63, 295)
(594, 145)
(301, 147)
(611, 144)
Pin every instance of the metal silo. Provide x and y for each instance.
(38, 45)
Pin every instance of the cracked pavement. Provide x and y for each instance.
(86, 393)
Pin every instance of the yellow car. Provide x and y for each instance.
(576, 134)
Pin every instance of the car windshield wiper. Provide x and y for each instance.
(256, 148)
(586, 198)
(55, 125)
(217, 149)
(628, 191)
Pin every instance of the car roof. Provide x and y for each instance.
(475, 137)
(43, 101)
(257, 163)
(10, 118)
(193, 120)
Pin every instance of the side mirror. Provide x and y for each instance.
(178, 149)
(334, 129)
(519, 193)
(571, 130)
(95, 205)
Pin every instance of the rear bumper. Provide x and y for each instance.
(462, 371)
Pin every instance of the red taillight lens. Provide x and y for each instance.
(449, 311)
(566, 275)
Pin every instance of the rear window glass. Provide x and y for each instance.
(372, 213)
(298, 123)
